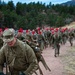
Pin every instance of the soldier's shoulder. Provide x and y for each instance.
(22, 44)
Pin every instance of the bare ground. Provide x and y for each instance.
(62, 65)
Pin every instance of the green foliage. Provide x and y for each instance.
(10, 6)
(28, 16)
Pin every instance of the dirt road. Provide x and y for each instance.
(55, 63)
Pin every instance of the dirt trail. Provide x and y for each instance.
(55, 63)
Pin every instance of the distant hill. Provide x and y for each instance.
(69, 3)
(71, 25)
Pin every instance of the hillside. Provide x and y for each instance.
(71, 25)
(69, 3)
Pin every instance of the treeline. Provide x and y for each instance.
(35, 14)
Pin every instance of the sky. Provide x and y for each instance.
(43, 1)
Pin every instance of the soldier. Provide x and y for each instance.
(48, 33)
(20, 35)
(35, 46)
(41, 40)
(64, 36)
(56, 42)
(19, 57)
(71, 37)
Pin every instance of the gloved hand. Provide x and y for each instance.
(1, 73)
(22, 73)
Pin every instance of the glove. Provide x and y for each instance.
(22, 73)
(1, 73)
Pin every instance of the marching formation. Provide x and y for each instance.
(21, 50)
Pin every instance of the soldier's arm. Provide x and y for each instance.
(59, 39)
(43, 38)
(2, 59)
(53, 40)
(34, 44)
(32, 60)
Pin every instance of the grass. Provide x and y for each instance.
(68, 61)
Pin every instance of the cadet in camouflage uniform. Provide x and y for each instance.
(32, 42)
(56, 41)
(64, 36)
(34, 45)
(45, 36)
(48, 33)
(18, 56)
(71, 37)
(20, 35)
(41, 40)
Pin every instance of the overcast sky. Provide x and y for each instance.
(43, 1)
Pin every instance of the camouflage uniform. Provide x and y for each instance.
(34, 45)
(71, 37)
(41, 41)
(56, 41)
(64, 37)
(20, 58)
(49, 37)
(45, 37)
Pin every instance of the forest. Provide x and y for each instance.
(31, 15)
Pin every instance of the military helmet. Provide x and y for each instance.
(8, 35)
(12, 30)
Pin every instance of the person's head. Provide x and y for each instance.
(8, 37)
(20, 31)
